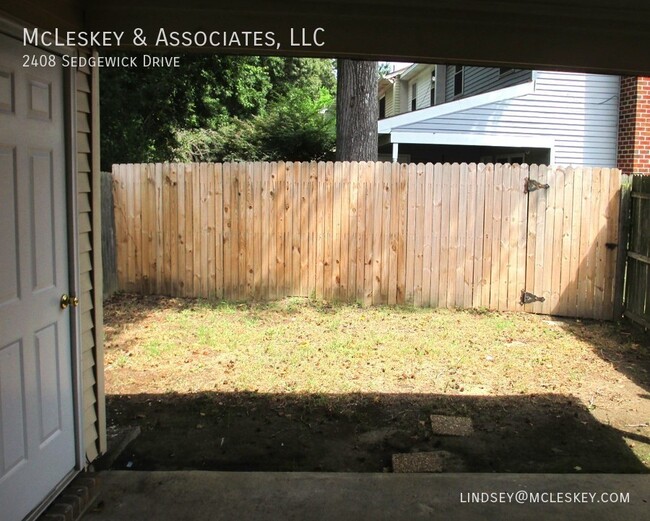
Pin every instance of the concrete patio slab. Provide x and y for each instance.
(214, 496)
(451, 425)
(436, 461)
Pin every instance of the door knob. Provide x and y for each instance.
(67, 300)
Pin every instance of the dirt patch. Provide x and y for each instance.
(307, 386)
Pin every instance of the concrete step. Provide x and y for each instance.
(266, 496)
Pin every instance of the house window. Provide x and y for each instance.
(382, 108)
(414, 96)
(505, 70)
(432, 101)
(511, 159)
(458, 80)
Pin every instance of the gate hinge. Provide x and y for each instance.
(529, 298)
(530, 185)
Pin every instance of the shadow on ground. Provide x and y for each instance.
(627, 348)
(547, 433)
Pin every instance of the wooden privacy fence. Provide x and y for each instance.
(637, 292)
(452, 235)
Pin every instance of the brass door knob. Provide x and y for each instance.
(67, 300)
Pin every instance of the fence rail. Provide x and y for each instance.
(438, 235)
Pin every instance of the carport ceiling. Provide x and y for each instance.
(590, 35)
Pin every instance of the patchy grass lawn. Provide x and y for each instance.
(498, 368)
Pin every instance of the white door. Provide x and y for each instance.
(37, 440)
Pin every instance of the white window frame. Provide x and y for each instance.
(459, 70)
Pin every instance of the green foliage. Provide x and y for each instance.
(216, 108)
(298, 127)
(384, 69)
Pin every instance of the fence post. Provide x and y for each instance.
(109, 264)
(623, 238)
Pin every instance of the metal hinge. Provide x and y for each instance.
(530, 185)
(529, 298)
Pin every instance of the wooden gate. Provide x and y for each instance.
(499, 237)
(572, 242)
(637, 284)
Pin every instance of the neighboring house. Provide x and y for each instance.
(455, 113)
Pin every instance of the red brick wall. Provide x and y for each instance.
(634, 125)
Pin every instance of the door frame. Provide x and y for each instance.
(14, 29)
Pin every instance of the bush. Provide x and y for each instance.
(298, 127)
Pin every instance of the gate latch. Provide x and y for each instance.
(530, 185)
(529, 298)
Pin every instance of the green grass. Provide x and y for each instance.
(305, 346)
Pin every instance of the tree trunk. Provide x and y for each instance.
(357, 111)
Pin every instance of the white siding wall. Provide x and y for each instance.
(401, 104)
(579, 111)
(478, 80)
(423, 81)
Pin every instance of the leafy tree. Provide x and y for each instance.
(301, 127)
(384, 69)
(211, 108)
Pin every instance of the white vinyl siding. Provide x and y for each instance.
(401, 102)
(423, 82)
(478, 80)
(394, 93)
(90, 298)
(579, 112)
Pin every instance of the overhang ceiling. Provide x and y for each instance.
(590, 35)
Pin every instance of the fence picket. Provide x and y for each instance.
(304, 229)
(509, 237)
(454, 236)
(312, 200)
(567, 301)
(368, 182)
(328, 248)
(320, 231)
(434, 299)
(211, 274)
(280, 212)
(487, 235)
(257, 265)
(469, 230)
(294, 216)
(343, 265)
(583, 287)
(395, 293)
(444, 241)
(353, 218)
(376, 236)
(197, 210)
(461, 250)
(410, 234)
(522, 228)
(428, 235)
(499, 261)
(387, 187)
(477, 276)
